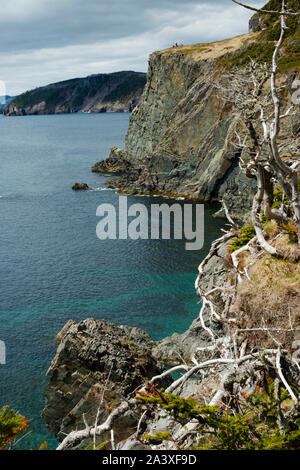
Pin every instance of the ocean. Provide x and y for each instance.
(54, 268)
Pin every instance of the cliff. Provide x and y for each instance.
(181, 137)
(112, 92)
(240, 349)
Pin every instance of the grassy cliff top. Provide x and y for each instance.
(258, 45)
(212, 50)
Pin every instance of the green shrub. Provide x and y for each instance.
(99, 447)
(245, 234)
(253, 427)
(12, 424)
(159, 436)
(279, 199)
(262, 48)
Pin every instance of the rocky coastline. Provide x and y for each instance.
(99, 366)
(97, 361)
(180, 142)
(184, 136)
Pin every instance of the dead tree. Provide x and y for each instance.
(255, 94)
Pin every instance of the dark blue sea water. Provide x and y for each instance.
(53, 267)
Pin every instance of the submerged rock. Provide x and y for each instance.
(81, 187)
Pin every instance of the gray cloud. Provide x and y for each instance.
(42, 41)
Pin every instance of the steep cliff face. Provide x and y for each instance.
(120, 91)
(180, 138)
(190, 129)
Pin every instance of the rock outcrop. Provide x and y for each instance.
(98, 359)
(115, 163)
(100, 362)
(96, 363)
(112, 92)
(81, 187)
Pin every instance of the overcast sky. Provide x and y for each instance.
(44, 41)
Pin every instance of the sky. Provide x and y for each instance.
(45, 41)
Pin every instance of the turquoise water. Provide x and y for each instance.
(53, 267)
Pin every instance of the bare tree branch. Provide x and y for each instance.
(261, 10)
(290, 391)
(75, 437)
